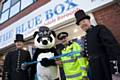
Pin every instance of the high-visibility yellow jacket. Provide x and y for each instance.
(75, 66)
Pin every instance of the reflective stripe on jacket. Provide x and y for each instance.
(75, 66)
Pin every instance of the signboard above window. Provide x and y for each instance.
(53, 13)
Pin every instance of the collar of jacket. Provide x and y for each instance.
(90, 28)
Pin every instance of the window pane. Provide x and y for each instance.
(25, 3)
(4, 16)
(14, 9)
(14, 2)
(6, 5)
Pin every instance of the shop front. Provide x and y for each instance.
(57, 15)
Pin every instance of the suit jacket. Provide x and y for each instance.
(100, 44)
(12, 65)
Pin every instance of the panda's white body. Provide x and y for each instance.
(43, 73)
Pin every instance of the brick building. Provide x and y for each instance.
(24, 16)
(110, 16)
(57, 15)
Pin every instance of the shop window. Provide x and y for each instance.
(4, 16)
(6, 5)
(25, 3)
(12, 7)
(14, 2)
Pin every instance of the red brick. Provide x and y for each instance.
(110, 16)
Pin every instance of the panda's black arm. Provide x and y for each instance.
(54, 50)
(52, 62)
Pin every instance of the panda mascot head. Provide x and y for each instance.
(45, 38)
(46, 68)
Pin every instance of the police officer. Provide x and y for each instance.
(74, 66)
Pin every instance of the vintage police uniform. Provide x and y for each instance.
(12, 63)
(99, 45)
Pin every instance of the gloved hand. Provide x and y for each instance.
(45, 62)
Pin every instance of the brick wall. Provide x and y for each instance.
(110, 16)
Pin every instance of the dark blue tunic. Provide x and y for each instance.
(12, 65)
(100, 45)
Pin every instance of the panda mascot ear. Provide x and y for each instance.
(34, 35)
(54, 34)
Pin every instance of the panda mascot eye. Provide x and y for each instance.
(39, 39)
(40, 34)
(49, 33)
(50, 39)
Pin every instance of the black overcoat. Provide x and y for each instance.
(100, 44)
(10, 65)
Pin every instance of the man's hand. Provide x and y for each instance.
(58, 62)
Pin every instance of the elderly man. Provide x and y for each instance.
(99, 45)
(13, 60)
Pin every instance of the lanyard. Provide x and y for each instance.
(55, 57)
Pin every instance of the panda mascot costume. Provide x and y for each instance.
(45, 69)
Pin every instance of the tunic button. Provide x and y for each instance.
(114, 62)
(86, 51)
(85, 40)
(85, 47)
(85, 44)
(115, 67)
(87, 55)
(116, 72)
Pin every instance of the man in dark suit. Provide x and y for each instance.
(13, 61)
(99, 45)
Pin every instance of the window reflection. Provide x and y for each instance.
(14, 9)
(6, 5)
(14, 2)
(4, 16)
(25, 3)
